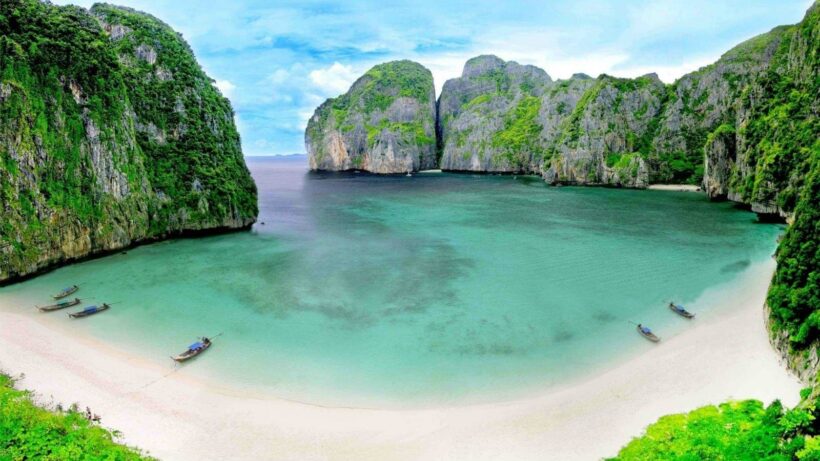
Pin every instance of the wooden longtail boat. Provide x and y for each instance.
(66, 291)
(194, 350)
(647, 333)
(58, 306)
(90, 310)
(678, 309)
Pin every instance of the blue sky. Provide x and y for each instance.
(278, 60)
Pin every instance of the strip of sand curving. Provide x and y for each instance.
(675, 187)
(721, 356)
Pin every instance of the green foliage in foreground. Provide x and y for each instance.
(734, 431)
(28, 432)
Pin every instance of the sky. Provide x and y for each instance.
(278, 60)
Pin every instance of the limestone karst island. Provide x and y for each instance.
(298, 230)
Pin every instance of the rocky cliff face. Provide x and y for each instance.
(384, 124)
(504, 117)
(488, 118)
(110, 134)
(607, 132)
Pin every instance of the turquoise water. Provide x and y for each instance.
(363, 290)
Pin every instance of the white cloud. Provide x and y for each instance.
(279, 76)
(333, 80)
(225, 86)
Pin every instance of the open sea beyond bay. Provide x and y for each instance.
(362, 290)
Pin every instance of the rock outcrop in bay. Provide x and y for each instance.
(503, 117)
(110, 134)
(384, 124)
(488, 118)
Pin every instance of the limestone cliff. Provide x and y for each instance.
(384, 124)
(488, 118)
(606, 133)
(110, 134)
(503, 117)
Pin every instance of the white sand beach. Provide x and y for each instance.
(675, 187)
(720, 356)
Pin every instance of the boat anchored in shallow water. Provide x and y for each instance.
(90, 310)
(678, 309)
(66, 291)
(647, 333)
(194, 350)
(58, 306)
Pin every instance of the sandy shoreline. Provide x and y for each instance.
(675, 187)
(175, 417)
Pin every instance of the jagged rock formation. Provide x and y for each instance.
(110, 134)
(603, 138)
(384, 124)
(488, 118)
(503, 117)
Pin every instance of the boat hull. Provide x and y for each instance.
(82, 314)
(66, 293)
(649, 336)
(685, 314)
(184, 357)
(57, 307)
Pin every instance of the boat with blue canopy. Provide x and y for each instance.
(646, 332)
(90, 310)
(680, 310)
(193, 350)
(66, 291)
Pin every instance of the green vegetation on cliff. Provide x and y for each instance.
(783, 133)
(30, 432)
(734, 431)
(383, 123)
(46, 56)
(518, 140)
(188, 136)
(794, 296)
(110, 133)
(378, 88)
(490, 118)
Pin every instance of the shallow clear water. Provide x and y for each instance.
(363, 290)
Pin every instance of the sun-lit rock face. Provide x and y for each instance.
(110, 135)
(384, 124)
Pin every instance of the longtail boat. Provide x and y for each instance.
(66, 291)
(678, 309)
(647, 333)
(90, 310)
(60, 305)
(194, 350)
